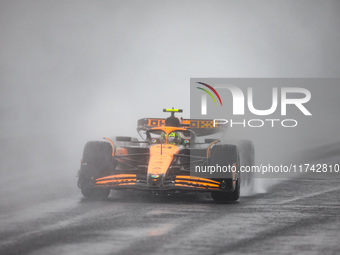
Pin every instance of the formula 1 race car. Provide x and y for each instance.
(162, 162)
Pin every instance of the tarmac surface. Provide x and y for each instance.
(299, 216)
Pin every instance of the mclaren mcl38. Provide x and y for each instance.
(165, 160)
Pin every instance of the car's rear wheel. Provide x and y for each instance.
(226, 155)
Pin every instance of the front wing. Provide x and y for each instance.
(137, 181)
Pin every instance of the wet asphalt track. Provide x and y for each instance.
(296, 216)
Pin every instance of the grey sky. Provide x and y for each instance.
(77, 70)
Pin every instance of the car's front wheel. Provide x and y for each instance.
(226, 155)
(97, 162)
(223, 197)
(95, 193)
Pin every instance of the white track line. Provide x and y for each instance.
(309, 195)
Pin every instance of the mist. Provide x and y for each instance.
(73, 71)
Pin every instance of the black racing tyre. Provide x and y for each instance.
(98, 154)
(224, 197)
(226, 155)
(97, 162)
(95, 193)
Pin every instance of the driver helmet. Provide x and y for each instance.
(174, 138)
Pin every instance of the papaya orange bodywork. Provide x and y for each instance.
(121, 151)
(112, 144)
(194, 178)
(117, 179)
(132, 181)
(161, 156)
(198, 183)
(190, 186)
(117, 176)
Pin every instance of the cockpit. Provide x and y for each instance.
(175, 137)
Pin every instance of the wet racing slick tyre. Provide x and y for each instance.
(97, 162)
(95, 193)
(224, 197)
(226, 155)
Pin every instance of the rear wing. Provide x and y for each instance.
(200, 127)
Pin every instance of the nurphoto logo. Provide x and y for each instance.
(245, 101)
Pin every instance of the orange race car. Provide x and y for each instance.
(165, 161)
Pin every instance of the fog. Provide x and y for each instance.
(73, 71)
